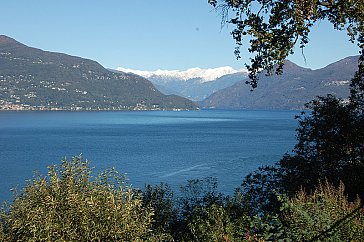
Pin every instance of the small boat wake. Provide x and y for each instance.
(182, 171)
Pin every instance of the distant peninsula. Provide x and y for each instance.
(33, 79)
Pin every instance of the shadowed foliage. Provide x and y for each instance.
(330, 146)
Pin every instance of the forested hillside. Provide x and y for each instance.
(34, 79)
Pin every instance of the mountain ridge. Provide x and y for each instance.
(7, 40)
(291, 90)
(32, 78)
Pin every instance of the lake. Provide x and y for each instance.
(149, 146)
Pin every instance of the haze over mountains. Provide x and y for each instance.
(31, 78)
(194, 83)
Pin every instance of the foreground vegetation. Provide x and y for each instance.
(70, 204)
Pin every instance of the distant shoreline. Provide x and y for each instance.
(81, 109)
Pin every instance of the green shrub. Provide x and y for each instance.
(72, 205)
(326, 215)
(211, 224)
(2, 232)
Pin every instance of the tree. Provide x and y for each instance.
(275, 27)
(330, 147)
(160, 198)
(197, 196)
(260, 189)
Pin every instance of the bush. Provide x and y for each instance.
(326, 215)
(2, 232)
(211, 224)
(71, 205)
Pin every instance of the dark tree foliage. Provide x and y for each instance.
(194, 197)
(274, 27)
(181, 215)
(161, 199)
(330, 147)
(199, 193)
(260, 190)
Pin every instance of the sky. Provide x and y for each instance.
(147, 34)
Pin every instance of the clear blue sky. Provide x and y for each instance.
(146, 34)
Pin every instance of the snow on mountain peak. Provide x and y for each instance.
(204, 74)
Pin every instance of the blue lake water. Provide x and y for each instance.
(150, 147)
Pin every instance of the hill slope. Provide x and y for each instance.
(291, 90)
(34, 79)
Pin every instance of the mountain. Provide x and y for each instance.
(291, 90)
(31, 78)
(195, 83)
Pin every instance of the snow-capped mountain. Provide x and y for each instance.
(204, 75)
(194, 83)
